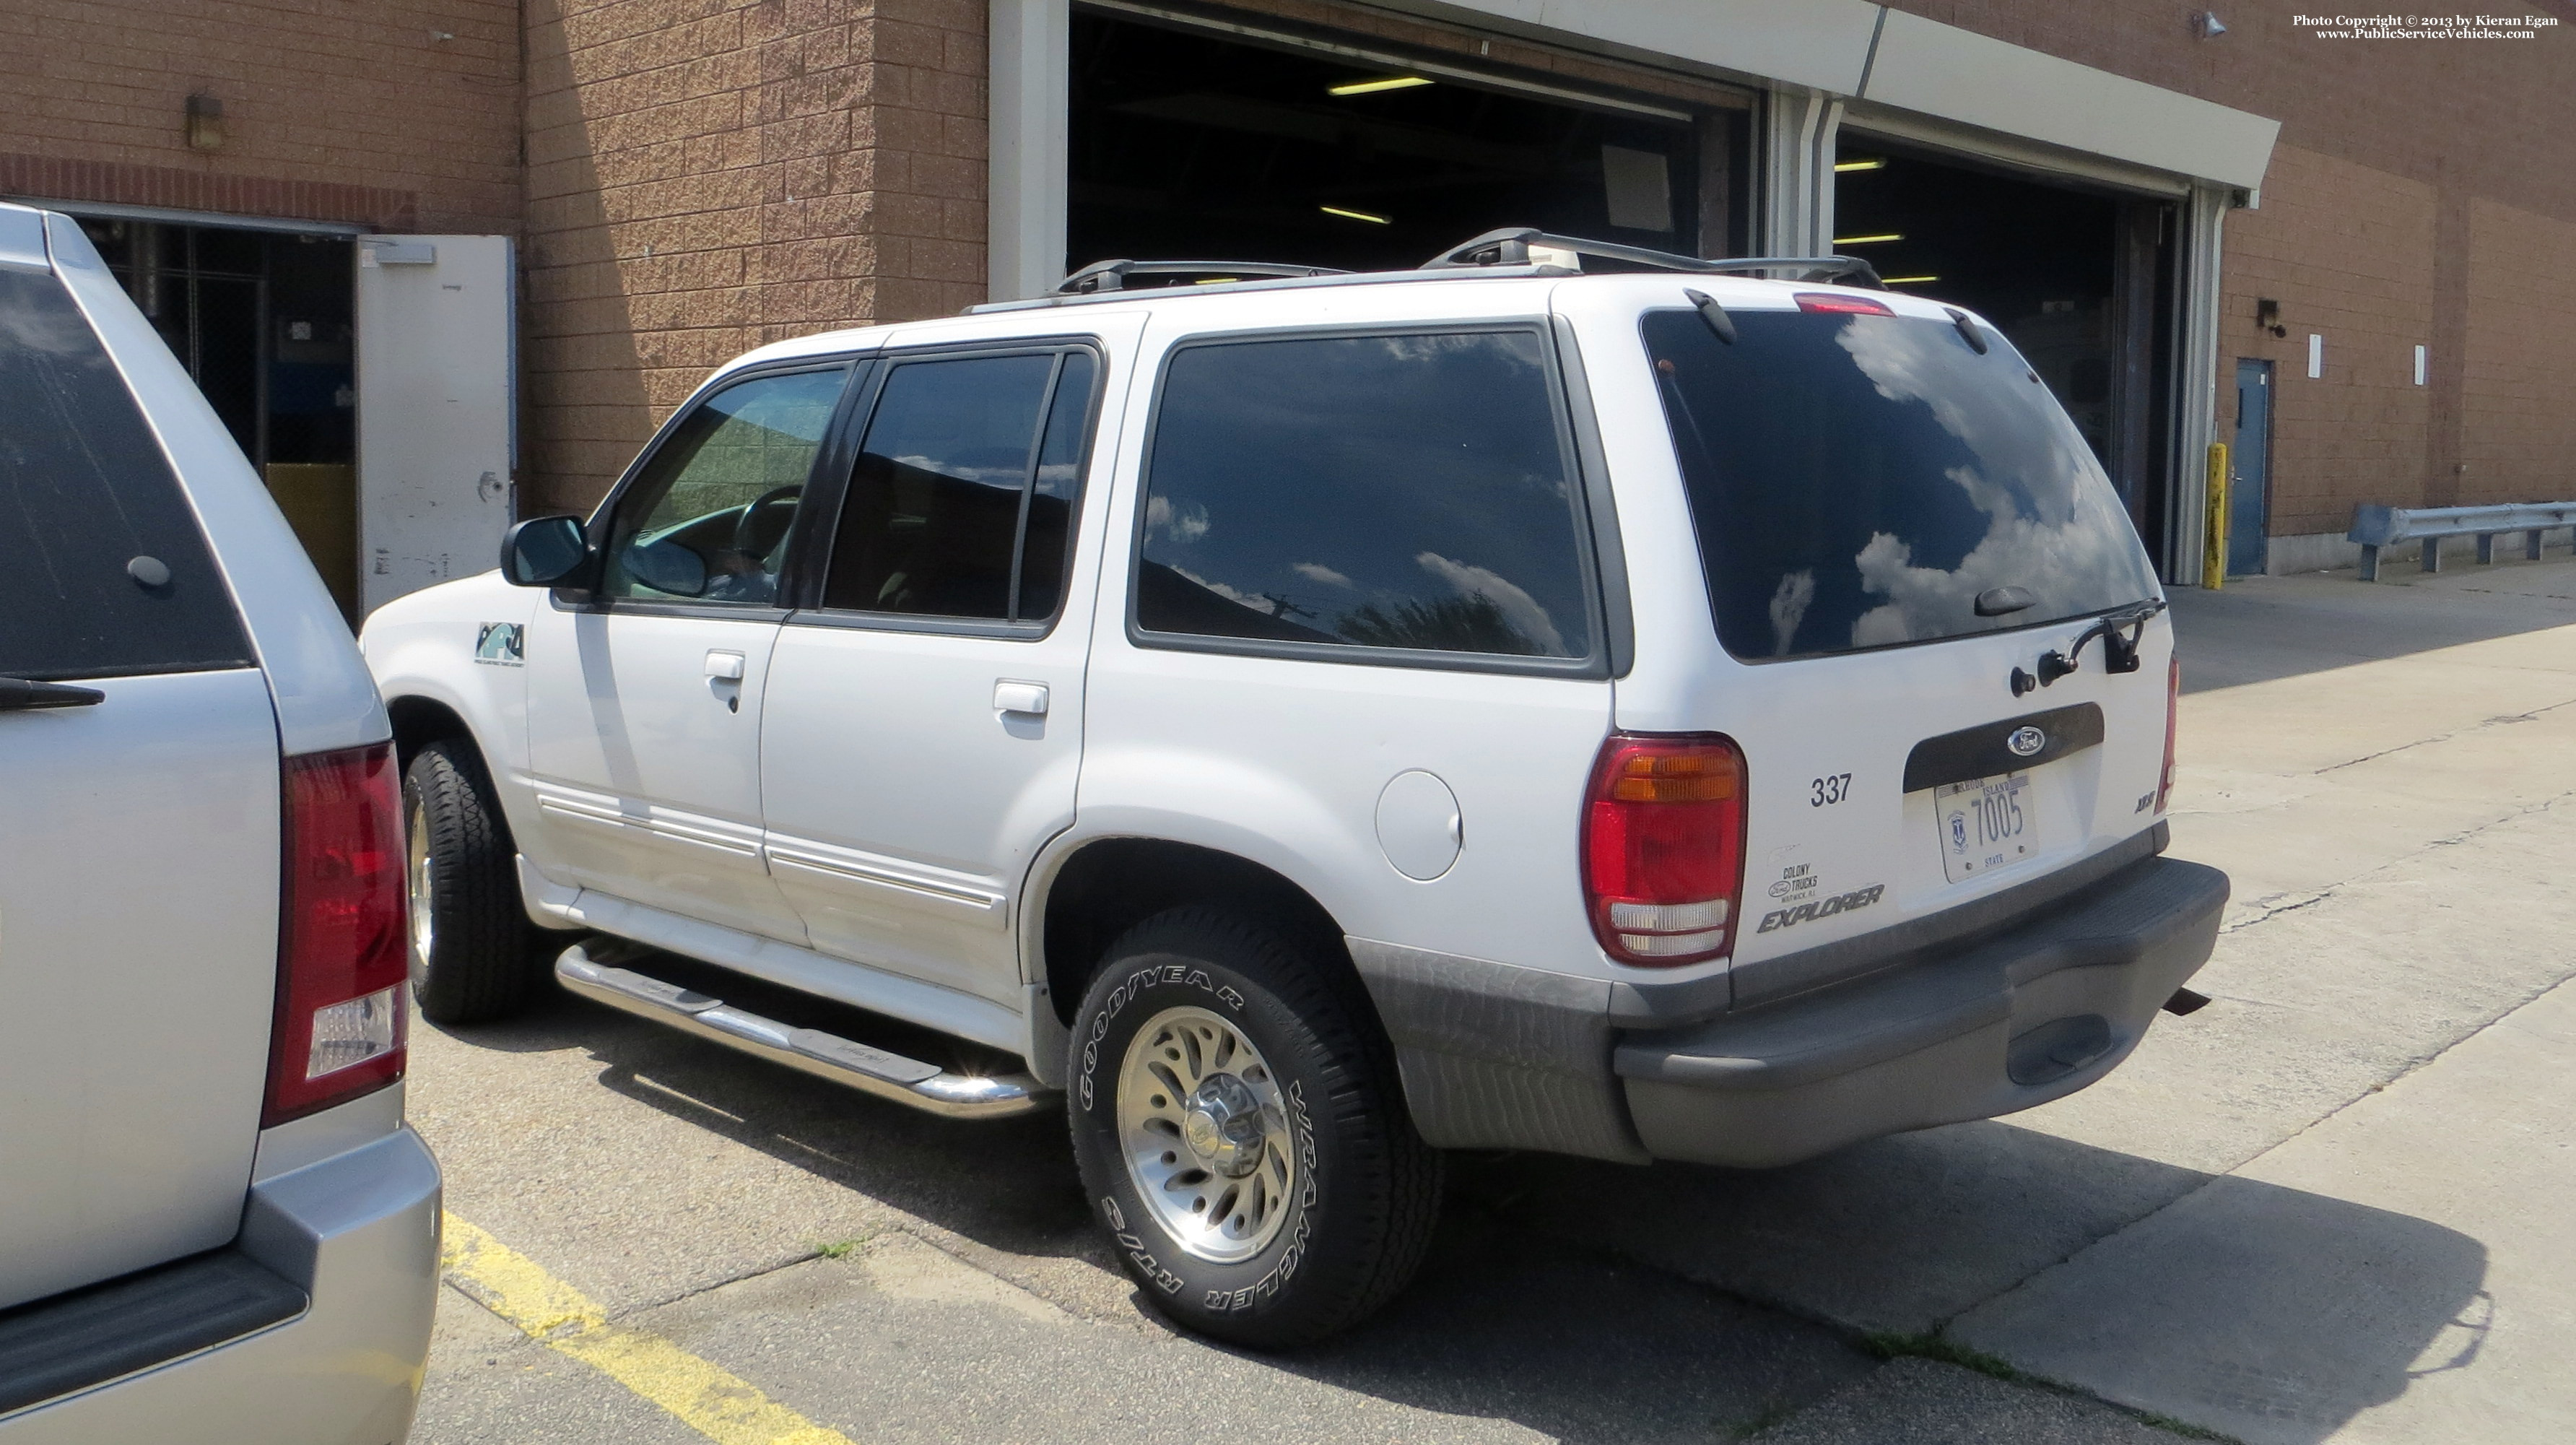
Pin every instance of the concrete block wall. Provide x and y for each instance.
(401, 115)
(706, 176)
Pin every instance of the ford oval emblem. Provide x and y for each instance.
(2026, 741)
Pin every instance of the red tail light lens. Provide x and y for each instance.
(2173, 709)
(341, 946)
(1663, 847)
(1845, 305)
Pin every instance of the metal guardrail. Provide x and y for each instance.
(2377, 527)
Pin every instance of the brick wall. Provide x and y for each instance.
(397, 115)
(708, 175)
(2346, 250)
(2520, 360)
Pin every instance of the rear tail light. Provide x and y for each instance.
(341, 946)
(1663, 847)
(1845, 305)
(2173, 708)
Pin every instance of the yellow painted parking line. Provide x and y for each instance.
(712, 1401)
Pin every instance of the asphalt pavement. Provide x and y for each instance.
(2329, 1206)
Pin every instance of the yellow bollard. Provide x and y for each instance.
(2213, 561)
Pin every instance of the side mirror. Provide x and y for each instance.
(666, 566)
(543, 551)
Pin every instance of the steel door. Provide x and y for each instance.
(2249, 490)
(435, 410)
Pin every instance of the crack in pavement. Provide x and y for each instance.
(2268, 913)
(2445, 737)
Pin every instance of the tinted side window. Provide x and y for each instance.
(709, 519)
(90, 511)
(962, 499)
(1385, 491)
(1057, 490)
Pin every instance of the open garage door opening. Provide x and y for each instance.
(2081, 280)
(1191, 145)
(264, 323)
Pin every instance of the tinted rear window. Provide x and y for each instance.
(1407, 492)
(1857, 481)
(87, 502)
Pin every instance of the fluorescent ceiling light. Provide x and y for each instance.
(1866, 240)
(1868, 165)
(1906, 280)
(1372, 87)
(1357, 215)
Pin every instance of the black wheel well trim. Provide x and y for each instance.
(419, 721)
(1087, 905)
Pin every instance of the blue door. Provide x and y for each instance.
(2251, 456)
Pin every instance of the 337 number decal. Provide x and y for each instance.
(1825, 792)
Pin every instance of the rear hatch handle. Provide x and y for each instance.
(18, 694)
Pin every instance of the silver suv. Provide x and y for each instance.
(213, 1224)
(1315, 721)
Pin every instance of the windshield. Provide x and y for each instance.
(1860, 481)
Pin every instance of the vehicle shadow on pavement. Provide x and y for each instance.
(1602, 1302)
(2262, 628)
(2270, 1313)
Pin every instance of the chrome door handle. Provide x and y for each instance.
(1029, 698)
(726, 665)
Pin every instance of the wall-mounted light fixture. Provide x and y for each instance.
(2206, 25)
(2267, 316)
(205, 123)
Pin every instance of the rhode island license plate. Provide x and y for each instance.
(1987, 824)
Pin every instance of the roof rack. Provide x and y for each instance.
(1514, 250)
(1112, 275)
(1526, 245)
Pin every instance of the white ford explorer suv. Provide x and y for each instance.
(213, 1224)
(1317, 721)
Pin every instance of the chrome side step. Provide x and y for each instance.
(826, 1056)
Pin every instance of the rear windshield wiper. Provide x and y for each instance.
(2120, 629)
(2119, 653)
(17, 694)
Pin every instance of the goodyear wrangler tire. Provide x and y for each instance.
(473, 950)
(1242, 1134)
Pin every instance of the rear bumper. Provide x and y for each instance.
(2032, 1013)
(357, 1235)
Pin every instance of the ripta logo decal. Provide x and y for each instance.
(1821, 908)
(499, 644)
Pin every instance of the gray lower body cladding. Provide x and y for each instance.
(1498, 1057)
(2029, 1010)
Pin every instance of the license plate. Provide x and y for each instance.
(1987, 824)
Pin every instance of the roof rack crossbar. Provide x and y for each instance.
(1512, 246)
(1112, 275)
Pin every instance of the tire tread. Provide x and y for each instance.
(1362, 1087)
(483, 940)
